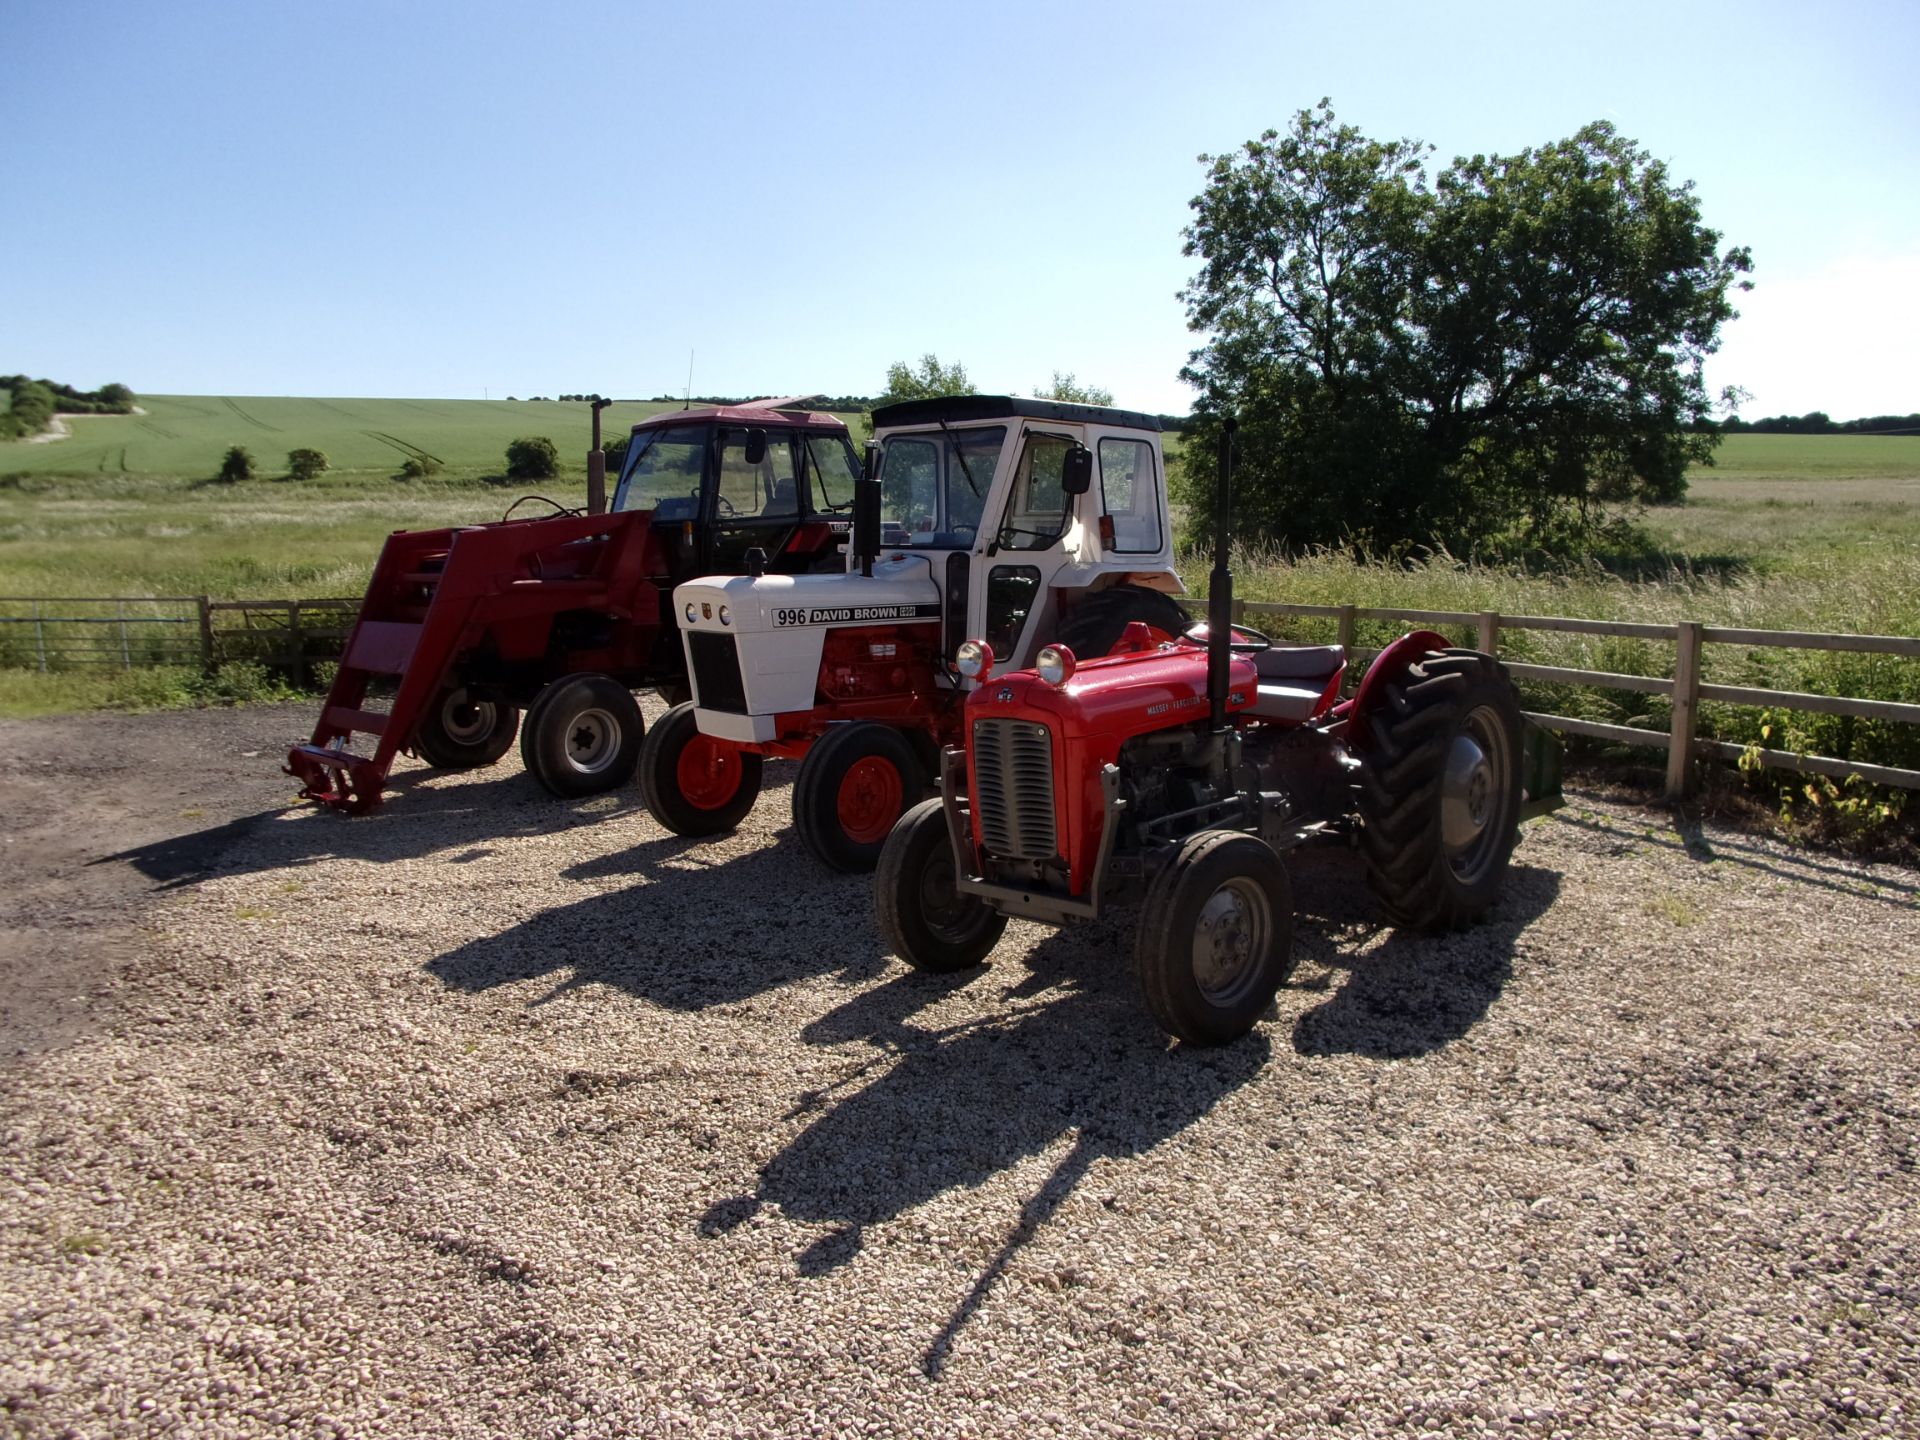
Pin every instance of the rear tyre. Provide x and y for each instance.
(1096, 622)
(1439, 789)
(459, 732)
(583, 735)
(854, 783)
(693, 783)
(922, 915)
(1216, 940)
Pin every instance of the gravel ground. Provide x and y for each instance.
(498, 1115)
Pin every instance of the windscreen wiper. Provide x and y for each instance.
(961, 456)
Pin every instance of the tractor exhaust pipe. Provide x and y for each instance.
(597, 465)
(1220, 585)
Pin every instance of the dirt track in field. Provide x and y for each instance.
(496, 1115)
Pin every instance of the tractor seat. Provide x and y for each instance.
(1305, 663)
(1292, 678)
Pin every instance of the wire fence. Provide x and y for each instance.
(65, 633)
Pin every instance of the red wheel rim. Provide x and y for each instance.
(708, 772)
(869, 800)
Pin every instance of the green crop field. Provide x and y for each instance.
(184, 436)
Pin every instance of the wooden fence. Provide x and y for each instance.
(1684, 688)
(52, 633)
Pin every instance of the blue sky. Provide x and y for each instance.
(456, 200)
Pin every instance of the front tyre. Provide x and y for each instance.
(1216, 942)
(922, 915)
(582, 736)
(854, 783)
(460, 732)
(693, 783)
(1439, 789)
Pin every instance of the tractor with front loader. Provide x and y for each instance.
(1184, 769)
(1017, 520)
(566, 614)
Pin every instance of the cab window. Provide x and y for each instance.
(1036, 509)
(1130, 494)
(833, 471)
(662, 465)
(757, 491)
(933, 488)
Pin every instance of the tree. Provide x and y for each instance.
(236, 465)
(305, 464)
(532, 457)
(924, 381)
(117, 395)
(1480, 362)
(1065, 387)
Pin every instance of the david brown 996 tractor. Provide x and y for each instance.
(569, 613)
(1186, 769)
(1020, 520)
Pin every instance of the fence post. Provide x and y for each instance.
(1686, 701)
(40, 637)
(1239, 611)
(1345, 635)
(1489, 632)
(205, 605)
(297, 638)
(126, 655)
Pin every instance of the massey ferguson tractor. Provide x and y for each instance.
(1183, 769)
(568, 613)
(1018, 520)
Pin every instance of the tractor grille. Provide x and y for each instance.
(1013, 785)
(716, 672)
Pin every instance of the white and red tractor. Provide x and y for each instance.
(1180, 771)
(1018, 521)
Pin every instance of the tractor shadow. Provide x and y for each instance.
(422, 815)
(1066, 1051)
(680, 934)
(1411, 994)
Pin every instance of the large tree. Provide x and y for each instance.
(1475, 361)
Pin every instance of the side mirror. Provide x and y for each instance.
(1076, 471)
(872, 461)
(756, 445)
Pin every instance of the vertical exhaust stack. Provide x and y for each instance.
(597, 465)
(1220, 585)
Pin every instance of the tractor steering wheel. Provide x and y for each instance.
(723, 507)
(1253, 643)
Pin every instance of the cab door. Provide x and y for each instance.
(1027, 547)
(754, 502)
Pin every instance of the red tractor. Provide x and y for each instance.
(567, 614)
(1185, 769)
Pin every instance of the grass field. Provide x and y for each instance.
(184, 436)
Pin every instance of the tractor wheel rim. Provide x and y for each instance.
(708, 772)
(1473, 794)
(942, 905)
(467, 722)
(1233, 931)
(869, 800)
(593, 739)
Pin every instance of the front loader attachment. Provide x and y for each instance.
(438, 595)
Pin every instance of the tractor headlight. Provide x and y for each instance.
(726, 616)
(973, 659)
(1055, 664)
(691, 613)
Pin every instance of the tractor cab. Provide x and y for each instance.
(727, 480)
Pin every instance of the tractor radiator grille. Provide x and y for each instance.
(1013, 788)
(716, 673)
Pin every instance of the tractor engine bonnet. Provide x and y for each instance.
(775, 630)
(1105, 703)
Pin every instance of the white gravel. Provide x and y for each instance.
(497, 1115)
